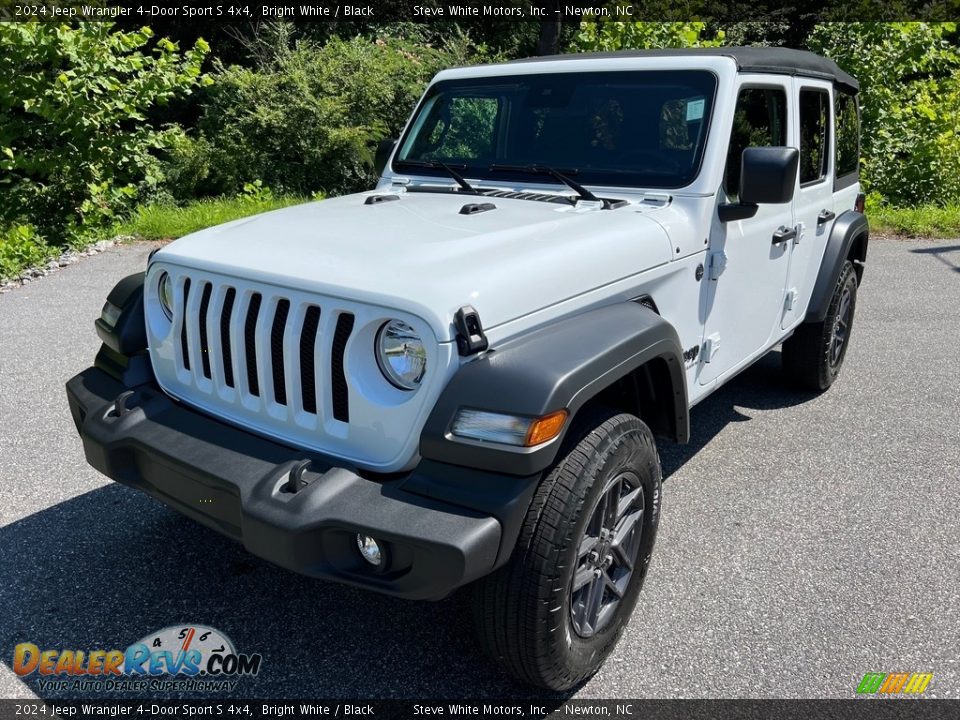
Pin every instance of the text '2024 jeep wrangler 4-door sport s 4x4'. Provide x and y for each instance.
(457, 378)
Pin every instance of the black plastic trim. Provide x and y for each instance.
(308, 339)
(238, 483)
(129, 334)
(377, 199)
(277, 331)
(131, 370)
(731, 212)
(845, 181)
(470, 336)
(768, 175)
(340, 390)
(772, 60)
(847, 228)
(226, 316)
(204, 344)
(559, 366)
(184, 343)
(477, 208)
(250, 342)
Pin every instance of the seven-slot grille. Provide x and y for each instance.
(222, 348)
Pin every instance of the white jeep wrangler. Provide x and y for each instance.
(457, 378)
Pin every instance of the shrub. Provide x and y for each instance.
(307, 117)
(615, 35)
(188, 169)
(909, 76)
(74, 144)
(20, 247)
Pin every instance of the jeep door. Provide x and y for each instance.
(813, 204)
(743, 301)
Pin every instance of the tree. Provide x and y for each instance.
(612, 35)
(75, 146)
(909, 75)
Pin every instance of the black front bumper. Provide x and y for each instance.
(236, 482)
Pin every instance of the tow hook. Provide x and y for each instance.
(300, 477)
(120, 405)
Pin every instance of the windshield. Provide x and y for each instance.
(626, 128)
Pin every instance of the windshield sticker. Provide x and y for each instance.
(695, 109)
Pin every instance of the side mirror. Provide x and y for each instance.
(384, 148)
(767, 175)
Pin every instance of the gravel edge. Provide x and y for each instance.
(69, 257)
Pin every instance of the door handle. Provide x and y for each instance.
(783, 234)
(825, 216)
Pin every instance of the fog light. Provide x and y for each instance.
(369, 549)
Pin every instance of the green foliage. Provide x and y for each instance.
(257, 192)
(909, 75)
(932, 221)
(75, 147)
(20, 247)
(773, 31)
(306, 118)
(466, 132)
(614, 35)
(162, 221)
(187, 168)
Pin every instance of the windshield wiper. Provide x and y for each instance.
(557, 175)
(436, 164)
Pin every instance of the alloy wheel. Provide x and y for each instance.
(607, 554)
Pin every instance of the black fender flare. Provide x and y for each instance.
(847, 229)
(122, 328)
(560, 366)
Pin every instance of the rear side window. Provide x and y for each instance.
(760, 120)
(814, 135)
(848, 134)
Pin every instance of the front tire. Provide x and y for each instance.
(553, 614)
(814, 354)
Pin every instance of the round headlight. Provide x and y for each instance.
(165, 292)
(401, 355)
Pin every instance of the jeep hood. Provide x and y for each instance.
(420, 254)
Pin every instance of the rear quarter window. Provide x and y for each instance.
(848, 134)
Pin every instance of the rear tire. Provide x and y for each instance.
(814, 354)
(553, 614)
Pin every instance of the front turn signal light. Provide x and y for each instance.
(514, 430)
(546, 428)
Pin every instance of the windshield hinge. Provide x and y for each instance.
(470, 337)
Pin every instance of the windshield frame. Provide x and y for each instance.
(481, 174)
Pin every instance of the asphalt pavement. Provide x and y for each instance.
(805, 540)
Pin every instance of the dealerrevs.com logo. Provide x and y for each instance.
(178, 657)
(898, 683)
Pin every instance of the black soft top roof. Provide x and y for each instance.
(775, 60)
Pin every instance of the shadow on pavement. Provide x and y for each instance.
(760, 387)
(104, 569)
(940, 253)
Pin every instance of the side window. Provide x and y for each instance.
(466, 129)
(760, 119)
(848, 134)
(814, 135)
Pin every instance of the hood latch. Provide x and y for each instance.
(470, 337)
